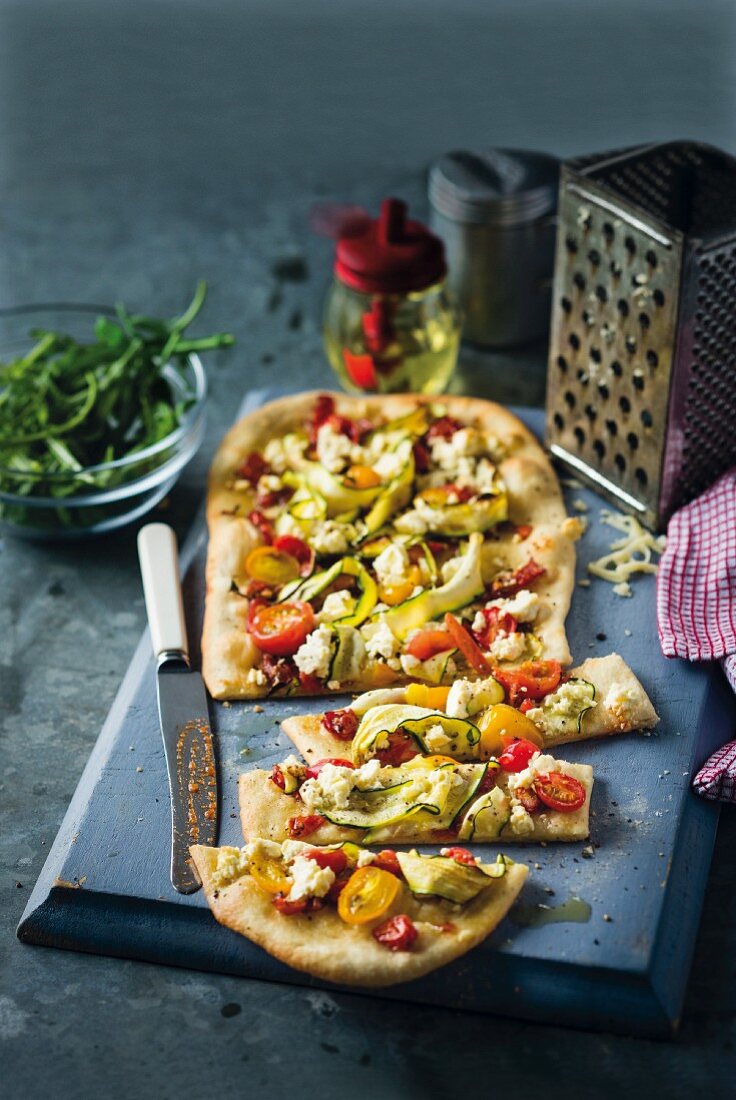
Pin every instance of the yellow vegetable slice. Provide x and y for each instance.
(368, 895)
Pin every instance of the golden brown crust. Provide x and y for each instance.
(323, 945)
(534, 498)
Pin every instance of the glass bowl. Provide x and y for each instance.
(103, 497)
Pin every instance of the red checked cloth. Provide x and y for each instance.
(696, 604)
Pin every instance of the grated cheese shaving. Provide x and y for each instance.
(628, 555)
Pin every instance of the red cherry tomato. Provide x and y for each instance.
(304, 826)
(387, 860)
(496, 622)
(560, 792)
(427, 643)
(460, 855)
(397, 933)
(334, 858)
(280, 628)
(262, 524)
(291, 908)
(508, 584)
(342, 724)
(298, 548)
(531, 680)
(467, 645)
(401, 747)
(314, 769)
(517, 754)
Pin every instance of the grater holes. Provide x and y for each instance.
(591, 412)
(582, 377)
(601, 293)
(630, 245)
(630, 343)
(579, 434)
(587, 317)
(638, 379)
(623, 307)
(646, 418)
(658, 297)
(651, 257)
(617, 369)
(559, 421)
(624, 404)
(608, 231)
(579, 280)
(566, 304)
(571, 244)
(644, 320)
(652, 358)
(594, 256)
(595, 355)
(570, 399)
(633, 440)
(641, 475)
(574, 340)
(620, 461)
(612, 427)
(599, 447)
(562, 363)
(603, 390)
(615, 269)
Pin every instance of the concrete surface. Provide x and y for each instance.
(144, 145)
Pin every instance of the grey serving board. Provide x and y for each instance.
(105, 885)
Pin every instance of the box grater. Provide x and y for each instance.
(641, 391)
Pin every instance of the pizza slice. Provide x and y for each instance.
(534, 702)
(354, 917)
(357, 543)
(523, 796)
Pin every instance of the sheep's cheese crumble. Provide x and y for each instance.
(314, 655)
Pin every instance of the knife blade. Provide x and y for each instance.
(182, 707)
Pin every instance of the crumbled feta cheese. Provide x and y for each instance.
(520, 821)
(284, 454)
(380, 640)
(256, 677)
(564, 703)
(263, 849)
(368, 775)
(436, 739)
(328, 790)
(524, 606)
(336, 606)
(290, 849)
(620, 701)
(466, 697)
(508, 647)
(309, 879)
(365, 858)
(269, 483)
(410, 665)
(478, 624)
(333, 448)
(540, 764)
(433, 788)
(485, 477)
(392, 565)
(623, 589)
(314, 655)
(332, 537)
(451, 566)
(411, 523)
(231, 864)
(390, 464)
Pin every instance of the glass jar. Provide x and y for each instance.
(391, 324)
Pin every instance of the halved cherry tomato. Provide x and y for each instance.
(397, 933)
(401, 747)
(334, 858)
(500, 724)
(517, 755)
(422, 695)
(496, 622)
(530, 680)
(298, 549)
(292, 908)
(270, 875)
(387, 860)
(428, 643)
(262, 524)
(304, 826)
(508, 584)
(362, 477)
(560, 792)
(369, 893)
(271, 566)
(460, 855)
(342, 724)
(467, 645)
(314, 769)
(280, 628)
(397, 593)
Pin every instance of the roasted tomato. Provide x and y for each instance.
(397, 933)
(262, 524)
(529, 799)
(467, 645)
(279, 670)
(280, 628)
(277, 777)
(298, 549)
(445, 427)
(387, 860)
(560, 792)
(421, 457)
(517, 754)
(497, 622)
(508, 584)
(271, 566)
(342, 724)
(531, 680)
(368, 894)
(304, 826)
(252, 468)
(334, 858)
(460, 855)
(429, 642)
(323, 409)
(314, 769)
(523, 530)
(291, 908)
(401, 747)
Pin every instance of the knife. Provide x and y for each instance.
(182, 707)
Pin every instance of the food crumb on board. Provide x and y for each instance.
(227, 703)
(607, 918)
(257, 709)
(588, 852)
(580, 505)
(584, 582)
(139, 768)
(627, 632)
(623, 589)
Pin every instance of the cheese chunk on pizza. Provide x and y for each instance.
(359, 543)
(347, 915)
(524, 795)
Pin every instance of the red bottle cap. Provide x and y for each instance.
(390, 255)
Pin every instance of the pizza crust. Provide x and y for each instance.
(534, 495)
(265, 811)
(610, 676)
(321, 943)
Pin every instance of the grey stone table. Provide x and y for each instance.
(144, 145)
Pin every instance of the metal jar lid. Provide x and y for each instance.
(503, 187)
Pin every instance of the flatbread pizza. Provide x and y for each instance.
(357, 543)
(353, 917)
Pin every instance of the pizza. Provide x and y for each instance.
(359, 543)
(347, 915)
(523, 795)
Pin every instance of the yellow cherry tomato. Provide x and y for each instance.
(271, 566)
(397, 593)
(362, 477)
(500, 724)
(269, 874)
(422, 695)
(368, 894)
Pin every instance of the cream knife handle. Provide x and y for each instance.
(159, 560)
